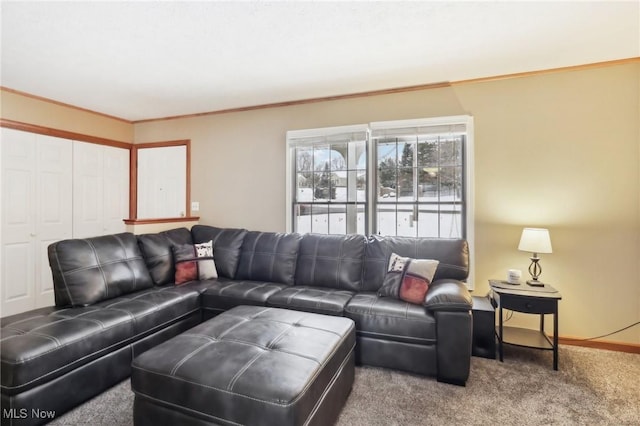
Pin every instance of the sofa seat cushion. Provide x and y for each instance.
(39, 347)
(320, 300)
(224, 294)
(391, 319)
(157, 307)
(36, 349)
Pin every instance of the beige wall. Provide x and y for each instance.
(26, 109)
(558, 150)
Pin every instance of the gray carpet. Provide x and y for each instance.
(592, 387)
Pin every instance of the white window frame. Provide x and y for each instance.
(295, 135)
(469, 180)
(468, 161)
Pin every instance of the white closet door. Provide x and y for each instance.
(36, 203)
(116, 189)
(100, 189)
(18, 221)
(54, 219)
(88, 192)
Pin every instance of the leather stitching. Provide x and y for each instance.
(339, 266)
(295, 293)
(396, 336)
(99, 266)
(124, 248)
(46, 336)
(23, 320)
(314, 261)
(188, 357)
(294, 401)
(183, 408)
(107, 349)
(242, 370)
(62, 275)
(59, 347)
(273, 259)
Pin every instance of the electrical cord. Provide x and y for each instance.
(609, 334)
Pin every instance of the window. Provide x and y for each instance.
(327, 173)
(420, 179)
(405, 178)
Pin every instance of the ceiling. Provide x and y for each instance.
(143, 60)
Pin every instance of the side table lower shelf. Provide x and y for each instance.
(539, 301)
(525, 337)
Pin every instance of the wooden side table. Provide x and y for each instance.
(530, 300)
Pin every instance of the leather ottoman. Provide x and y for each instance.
(250, 365)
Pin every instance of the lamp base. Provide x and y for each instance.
(535, 283)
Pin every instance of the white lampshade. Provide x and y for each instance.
(535, 240)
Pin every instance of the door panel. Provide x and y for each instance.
(18, 221)
(18, 185)
(116, 189)
(54, 192)
(53, 189)
(87, 190)
(36, 211)
(162, 185)
(18, 277)
(55, 212)
(44, 278)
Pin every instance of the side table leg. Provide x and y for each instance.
(555, 338)
(500, 335)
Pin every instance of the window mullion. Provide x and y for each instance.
(414, 177)
(439, 182)
(371, 215)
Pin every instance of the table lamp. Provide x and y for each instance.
(535, 240)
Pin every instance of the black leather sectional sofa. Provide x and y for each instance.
(115, 298)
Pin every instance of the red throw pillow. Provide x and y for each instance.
(194, 262)
(408, 279)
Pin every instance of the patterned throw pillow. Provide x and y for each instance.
(408, 279)
(194, 262)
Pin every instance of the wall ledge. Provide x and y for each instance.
(161, 220)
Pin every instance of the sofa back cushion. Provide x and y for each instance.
(453, 255)
(157, 253)
(227, 244)
(269, 256)
(333, 261)
(86, 271)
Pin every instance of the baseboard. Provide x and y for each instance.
(598, 344)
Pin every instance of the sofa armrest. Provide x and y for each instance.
(448, 295)
(453, 348)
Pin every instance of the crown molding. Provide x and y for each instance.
(380, 92)
(49, 131)
(54, 102)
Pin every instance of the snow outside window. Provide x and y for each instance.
(405, 178)
(328, 181)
